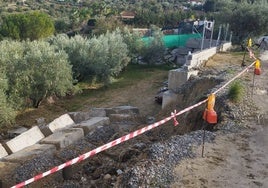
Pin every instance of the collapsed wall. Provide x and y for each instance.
(193, 61)
(38, 149)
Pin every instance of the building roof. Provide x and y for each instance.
(128, 14)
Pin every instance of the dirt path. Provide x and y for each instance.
(235, 160)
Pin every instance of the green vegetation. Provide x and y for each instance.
(35, 67)
(154, 50)
(34, 71)
(236, 92)
(245, 18)
(131, 75)
(22, 26)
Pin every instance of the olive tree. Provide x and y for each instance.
(155, 49)
(7, 113)
(31, 25)
(77, 49)
(101, 57)
(108, 55)
(35, 71)
(245, 19)
(134, 43)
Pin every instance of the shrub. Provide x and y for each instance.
(236, 92)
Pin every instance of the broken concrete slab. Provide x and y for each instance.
(83, 116)
(123, 118)
(27, 138)
(64, 121)
(79, 116)
(64, 137)
(93, 123)
(30, 152)
(97, 112)
(3, 151)
(122, 110)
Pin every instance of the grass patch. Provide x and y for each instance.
(236, 92)
(98, 93)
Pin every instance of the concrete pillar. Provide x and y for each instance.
(169, 97)
(178, 77)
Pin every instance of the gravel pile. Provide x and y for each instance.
(37, 165)
(157, 170)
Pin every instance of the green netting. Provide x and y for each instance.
(172, 41)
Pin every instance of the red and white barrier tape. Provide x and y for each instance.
(123, 138)
(227, 83)
(251, 55)
(102, 148)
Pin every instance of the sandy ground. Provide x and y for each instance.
(235, 160)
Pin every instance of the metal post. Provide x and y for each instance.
(231, 35)
(204, 29)
(243, 61)
(204, 135)
(253, 84)
(211, 36)
(219, 35)
(226, 32)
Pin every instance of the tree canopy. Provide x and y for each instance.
(31, 25)
(34, 71)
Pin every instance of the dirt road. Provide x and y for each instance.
(235, 160)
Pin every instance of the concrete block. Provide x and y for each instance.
(97, 112)
(122, 118)
(169, 97)
(64, 137)
(122, 110)
(83, 116)
(79, 116)
(61, 122)
(28, 138)
(30, 152)
(93, 123)
(3, 151)
(226, 46)
(176, 78)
